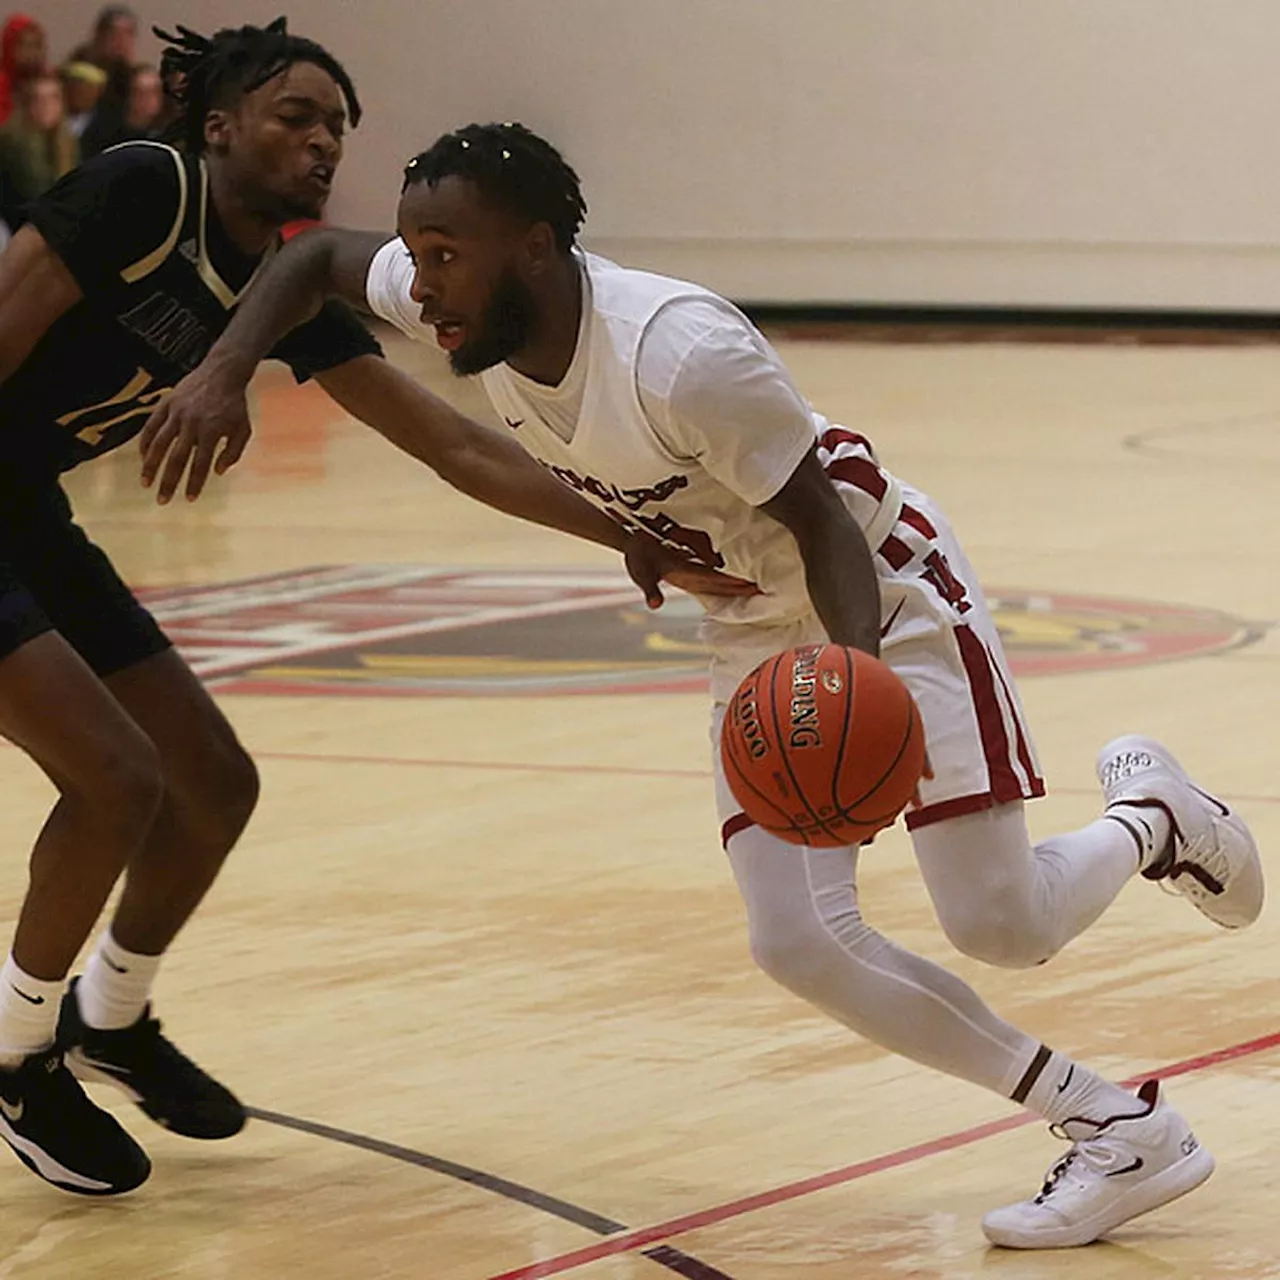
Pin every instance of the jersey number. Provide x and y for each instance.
(137, 396)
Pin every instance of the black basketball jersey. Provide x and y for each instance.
(137, 229)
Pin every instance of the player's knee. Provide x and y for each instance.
(124, 790)
(997, 936)
(238, 787)
(793, 953)
(224, 797)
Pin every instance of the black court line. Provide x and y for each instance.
(664, 1255)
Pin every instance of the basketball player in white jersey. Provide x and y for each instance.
(661, 403)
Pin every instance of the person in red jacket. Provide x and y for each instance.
(22, 57)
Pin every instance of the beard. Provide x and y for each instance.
(504, 328)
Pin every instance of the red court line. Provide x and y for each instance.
(850, 1173)
(622, 771)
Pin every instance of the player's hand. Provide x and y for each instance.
(203, 422)
(650, 563)
(928, 773)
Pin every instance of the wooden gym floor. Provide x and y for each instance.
(479, 962)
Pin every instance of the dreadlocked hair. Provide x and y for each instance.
(513, 168)
(208, 73)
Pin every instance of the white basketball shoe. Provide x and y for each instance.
(1113, 1172)
(1211, 858)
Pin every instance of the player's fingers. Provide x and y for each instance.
(232, 450)
(156, 448)
(174, 467)
(727, 586)
(645, 559)
(645, 575)
(709, 582)
(201, 464)
(926, 773)
(150, 429)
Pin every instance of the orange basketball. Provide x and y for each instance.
(823, 745)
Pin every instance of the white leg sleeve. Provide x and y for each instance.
(1001, 900)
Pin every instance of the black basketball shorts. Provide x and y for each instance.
(52, 578)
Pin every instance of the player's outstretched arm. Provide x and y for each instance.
(495, 470)
(35, 289)
(204, 422)
(840, 573)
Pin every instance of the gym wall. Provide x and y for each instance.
(1114, 153)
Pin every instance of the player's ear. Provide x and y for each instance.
(217, 130)
(540, 247)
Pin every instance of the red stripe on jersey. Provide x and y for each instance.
(986, 705)
(834, 437)
(918, 521)
(738, 823)
(895, 551)
(861, 473)
(1024, 748)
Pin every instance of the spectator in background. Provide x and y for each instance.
(112, 47)
(82, 89)
(36, 147)
(22, 57)
(114, 44)
(138, 120)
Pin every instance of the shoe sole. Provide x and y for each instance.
(56, 1174)
(1247, 883)
(1152, 1193)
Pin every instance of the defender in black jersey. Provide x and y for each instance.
(126, 273)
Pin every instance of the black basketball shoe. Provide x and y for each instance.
(151, 1070)
(61, 1136)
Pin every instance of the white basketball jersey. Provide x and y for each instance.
(617, 460)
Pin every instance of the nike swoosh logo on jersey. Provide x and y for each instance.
(12, 1113)
(27, 998)
(1137, 1164)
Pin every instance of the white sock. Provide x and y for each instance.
(116, 985)
(1148, 826)
(1061, 1091)
(28, 1013)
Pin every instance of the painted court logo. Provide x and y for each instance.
(411, 629)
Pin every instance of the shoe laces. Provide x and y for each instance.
(1057, 1171)
(1096, 1154)
(1202, 858)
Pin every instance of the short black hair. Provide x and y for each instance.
(110, 14)
(207, 73)
(514, 168)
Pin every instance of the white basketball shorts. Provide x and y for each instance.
(940, 638)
